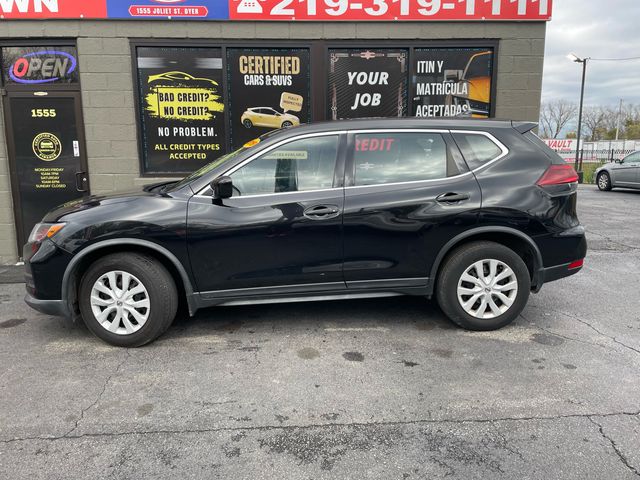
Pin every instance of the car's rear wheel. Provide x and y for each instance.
(247, 123)
(483, 286)
(286, 124)
(128, 299)
(604, 181)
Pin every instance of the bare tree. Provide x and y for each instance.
(554, 116)
(594, 119)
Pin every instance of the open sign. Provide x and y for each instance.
(44, 66)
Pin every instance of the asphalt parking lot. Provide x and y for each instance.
(384, 389)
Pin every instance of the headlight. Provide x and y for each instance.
(44, 230)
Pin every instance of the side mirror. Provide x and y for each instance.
(222, 188)
(617, 161)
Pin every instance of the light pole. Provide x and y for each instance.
(583, 61)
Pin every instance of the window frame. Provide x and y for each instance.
(352, 152)
(338, 172)
(446, 135)
(497, 143)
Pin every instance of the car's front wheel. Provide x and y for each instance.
(604, 181)
(247, 123)
(286, 124)
(127, 299)
(483, 286)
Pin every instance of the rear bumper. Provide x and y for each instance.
(50, 307)
(559, 271)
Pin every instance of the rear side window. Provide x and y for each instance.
(399, 157)
(477, 149)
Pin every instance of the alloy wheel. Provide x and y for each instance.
(120, 302)
(603, 181)
(487, 289)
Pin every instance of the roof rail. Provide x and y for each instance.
(523, 127)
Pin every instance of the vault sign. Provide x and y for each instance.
(39, 65)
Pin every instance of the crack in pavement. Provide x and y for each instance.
(616, 449)
(584, 342)
(584, 322)
(612, 241)
(324, 425)
(104, 388)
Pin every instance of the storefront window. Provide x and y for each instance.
(367, 83)
(452, 82)
(181, 107)
(197, 103)
(268, 89)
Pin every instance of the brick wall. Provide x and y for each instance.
(107, 79)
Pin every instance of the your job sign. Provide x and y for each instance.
(367, 83)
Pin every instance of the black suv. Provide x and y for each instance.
(476, 212)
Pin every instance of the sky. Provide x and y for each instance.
(597, 29)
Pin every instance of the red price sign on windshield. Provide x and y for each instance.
(367, 10)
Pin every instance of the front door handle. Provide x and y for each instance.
(322, 212)
(451, 197)
(81, 181)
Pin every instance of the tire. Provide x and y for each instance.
(604, 181)
(141, 318)
(247, 123)
(463, 261)
(286, 124)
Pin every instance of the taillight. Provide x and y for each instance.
(576, 264)
(557, 175)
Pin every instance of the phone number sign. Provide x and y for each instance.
(367, 10)
(328, 10)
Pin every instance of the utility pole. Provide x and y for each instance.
(583, 61)
(619, 118)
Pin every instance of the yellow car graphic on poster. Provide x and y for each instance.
(477, 76)
(268, 117)
(181, 77)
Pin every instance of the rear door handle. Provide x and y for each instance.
(322, 212)
(452, 197)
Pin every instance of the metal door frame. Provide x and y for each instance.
(11, 148)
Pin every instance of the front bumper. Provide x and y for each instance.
(49, 307)
(44, 272)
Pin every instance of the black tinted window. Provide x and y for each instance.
(306, 164)
(477, 149)
(399, 157)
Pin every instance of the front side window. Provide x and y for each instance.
(476, 149)
(632, 158)
(381, 158)
(300, 165)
